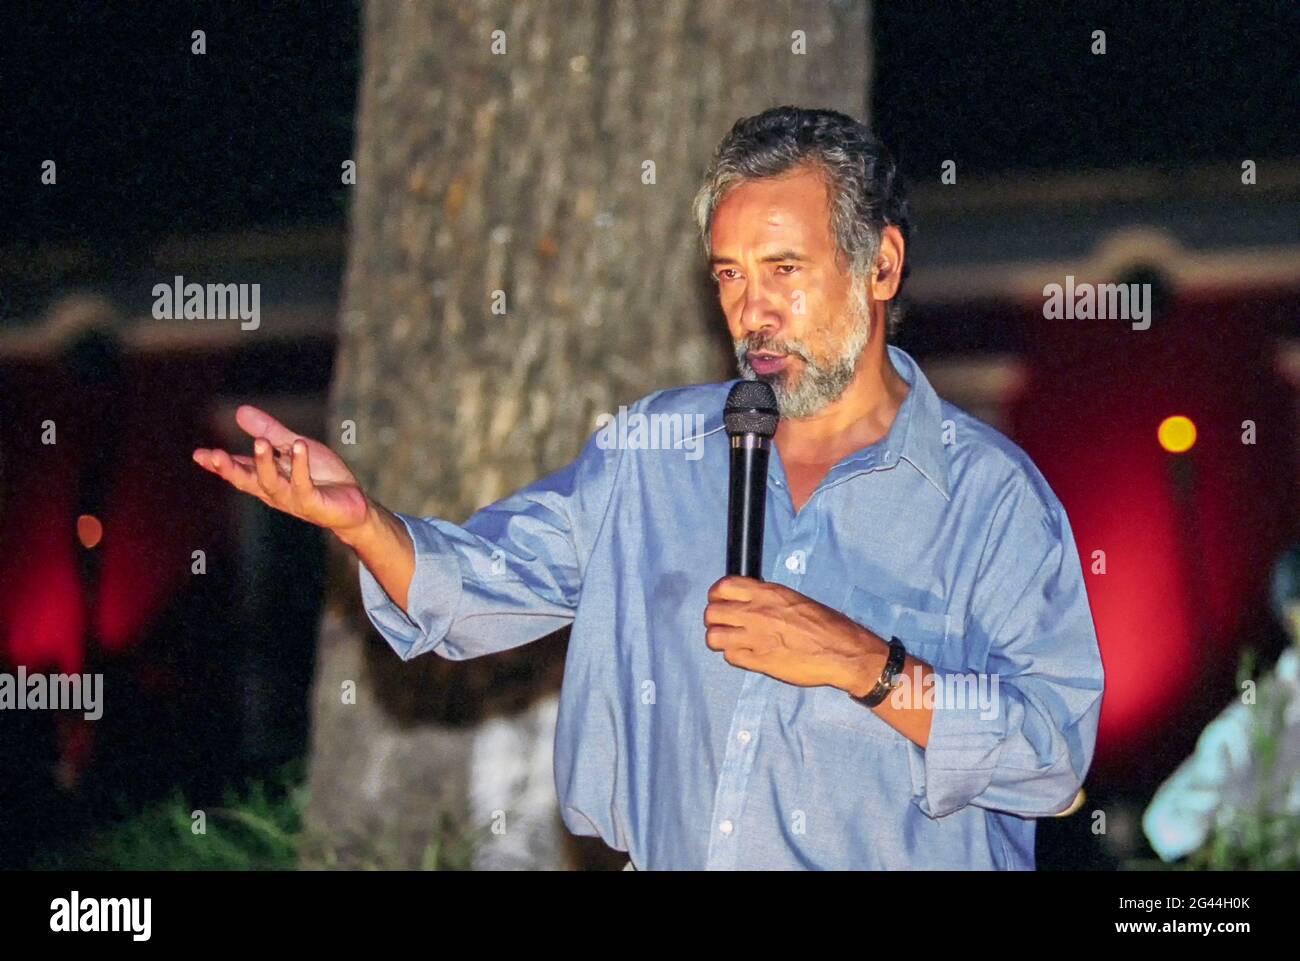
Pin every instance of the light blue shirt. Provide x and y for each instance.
(943, 533)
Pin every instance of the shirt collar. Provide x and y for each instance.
(916, 435)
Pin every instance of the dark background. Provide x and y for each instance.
(164, 142)
(154, 144)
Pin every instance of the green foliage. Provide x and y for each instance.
(258, 828)
(253, 829)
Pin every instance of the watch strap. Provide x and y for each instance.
(893, 667)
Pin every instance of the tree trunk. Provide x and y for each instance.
(523, 257)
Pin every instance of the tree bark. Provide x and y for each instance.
(518, 179)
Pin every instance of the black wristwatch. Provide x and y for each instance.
(888, 677)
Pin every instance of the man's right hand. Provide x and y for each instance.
(312, 483)
(309, 481)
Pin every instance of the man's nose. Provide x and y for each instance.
(760, 311)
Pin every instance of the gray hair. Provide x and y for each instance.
(865, 191)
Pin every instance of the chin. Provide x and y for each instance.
(777, 379)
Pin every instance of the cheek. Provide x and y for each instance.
(811, 314)
(805, 304)
(731, 309)
(813, 333)
(839, 324)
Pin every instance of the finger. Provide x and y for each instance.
(215, 460)
(733, 587)
(720, 638)
(742, 657)
(300, 478)
(258, 423)
(270, 479)
(725, 613)
(239, 475)
(247, 465)
(208, 459)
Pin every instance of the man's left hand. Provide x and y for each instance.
(777, 631)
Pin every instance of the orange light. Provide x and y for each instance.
(89, 530)
(1177, 434)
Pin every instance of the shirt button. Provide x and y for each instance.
(744, 737)
(725, 827)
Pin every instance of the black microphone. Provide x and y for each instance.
(751, 417)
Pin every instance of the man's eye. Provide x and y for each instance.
(791, 268)
(720, 273)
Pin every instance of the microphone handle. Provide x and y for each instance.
(746, 500)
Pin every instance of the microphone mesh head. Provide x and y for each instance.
(751, 409)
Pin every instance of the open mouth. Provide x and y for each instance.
(766, 361)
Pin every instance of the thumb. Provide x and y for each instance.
(258, 423)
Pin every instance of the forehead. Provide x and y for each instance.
(787, 209)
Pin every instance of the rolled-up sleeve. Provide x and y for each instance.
(512, 573)
(1027, 749)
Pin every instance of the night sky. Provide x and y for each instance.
(152, 141)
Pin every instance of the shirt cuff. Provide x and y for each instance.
(432, 599)
(959, 759)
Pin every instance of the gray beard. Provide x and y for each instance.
(820, 384)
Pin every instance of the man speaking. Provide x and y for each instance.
(915, 678)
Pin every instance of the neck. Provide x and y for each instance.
(861, 415)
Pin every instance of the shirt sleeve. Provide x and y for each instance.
(1027, 749)
(512, 573)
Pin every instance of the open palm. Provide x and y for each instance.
(292, 473)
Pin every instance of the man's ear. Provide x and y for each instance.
(887, 271)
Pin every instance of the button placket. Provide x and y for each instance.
(734, 776)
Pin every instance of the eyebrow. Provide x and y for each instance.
(788, 254)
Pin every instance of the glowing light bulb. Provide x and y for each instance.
(89, 530)
(1177, 434)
